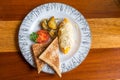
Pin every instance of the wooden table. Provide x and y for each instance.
(103, 61)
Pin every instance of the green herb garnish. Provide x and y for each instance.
(33, 36)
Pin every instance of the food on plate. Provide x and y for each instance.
(65, 34)
(37, 50)
(44, 24)
(53, 33)
(61, 35)
(51, 56)
(33, 36)
(41, 36)
(50, 26)
(52, 23)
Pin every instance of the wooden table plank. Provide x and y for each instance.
(95, 67)
(105, 34)
(17, 9)
(9, 36)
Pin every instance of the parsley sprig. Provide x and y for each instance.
(33, 36)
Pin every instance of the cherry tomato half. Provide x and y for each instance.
(43, 36)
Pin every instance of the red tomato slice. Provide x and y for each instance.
(43, 36)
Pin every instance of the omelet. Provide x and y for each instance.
(65, 34)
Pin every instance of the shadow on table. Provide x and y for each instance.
(117, 2)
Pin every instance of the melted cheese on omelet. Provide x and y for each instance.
(65, 35)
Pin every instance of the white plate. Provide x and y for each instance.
(81, 31)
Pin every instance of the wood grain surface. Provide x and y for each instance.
(100, 64)
(18, 9)
(103, 60)
(105, 34)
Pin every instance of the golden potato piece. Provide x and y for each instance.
(53, 33)
(44, 24)
(52, 23)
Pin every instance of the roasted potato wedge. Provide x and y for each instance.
(44, 24)
(52, 23)
(53, 33)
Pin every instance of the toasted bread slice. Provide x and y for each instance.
(37, 50)
(51, 56)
